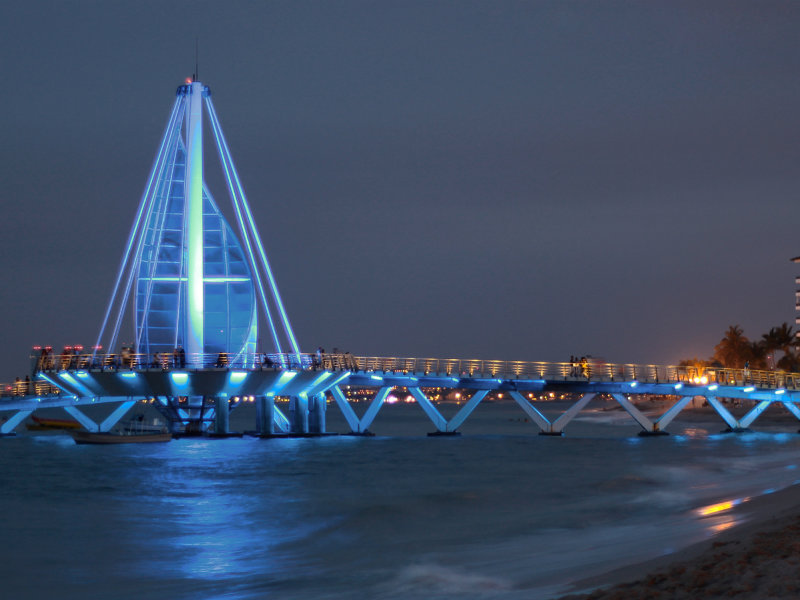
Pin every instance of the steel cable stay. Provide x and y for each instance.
(136, 263)
(136, 223)
(166, 191)
(243, 230)
(253, 229)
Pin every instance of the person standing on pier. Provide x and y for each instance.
(585, 367)
(320, 356)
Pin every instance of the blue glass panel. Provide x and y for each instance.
(230, 308)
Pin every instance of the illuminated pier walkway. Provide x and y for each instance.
(204, 396)
(197, 297)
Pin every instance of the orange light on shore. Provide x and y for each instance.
(719, 527)
(713, 509)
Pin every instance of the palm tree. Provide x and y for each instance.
(733, 349)
(785, 337)
(758, 354)
(780, 338)
(790, 361)
(770, 339)
(695, 362)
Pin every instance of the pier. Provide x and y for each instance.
(205, 302)
(200, 399)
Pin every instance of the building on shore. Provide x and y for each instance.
(796, 259)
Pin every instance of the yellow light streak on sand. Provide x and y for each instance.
(713, 509)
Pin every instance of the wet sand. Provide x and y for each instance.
(756, 560)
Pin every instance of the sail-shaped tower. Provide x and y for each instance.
(162, 319)
(196, 282)
(195, 325)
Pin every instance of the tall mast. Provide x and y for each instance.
(193, 190)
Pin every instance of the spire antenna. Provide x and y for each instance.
(196, 58)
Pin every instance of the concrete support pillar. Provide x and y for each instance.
(221, 415)
(116, 415)
(298, 414)
(81, 418)
(317, 405)
(7, 427)
(265, 415)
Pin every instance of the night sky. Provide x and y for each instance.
(516, 180)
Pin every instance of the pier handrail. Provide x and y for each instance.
(456, 368)
(28, 388)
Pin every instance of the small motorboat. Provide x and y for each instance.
(97, 437)
(39, 424)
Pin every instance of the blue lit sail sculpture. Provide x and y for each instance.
(230, 323)
(196, 284)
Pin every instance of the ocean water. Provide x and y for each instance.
(499, 512)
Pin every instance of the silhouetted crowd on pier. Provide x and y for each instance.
(74, 357)
(22, 387)
(338, 360)
(580, 367)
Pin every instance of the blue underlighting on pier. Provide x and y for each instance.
(75, 383)
(179, 378)
(286, 377)
(339, 379)
(320, 379)
(237, 377)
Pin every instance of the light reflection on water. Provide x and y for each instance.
(695, 432)
(713, 509)
(721, 524)
(718, 517)
(248, 518)
(211, 529)
(219, 523)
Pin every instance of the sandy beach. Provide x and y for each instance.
(758, 559)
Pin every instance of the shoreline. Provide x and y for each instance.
(767, 538)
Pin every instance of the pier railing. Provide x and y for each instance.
(454, 368)
(590, 371)
(28, 388)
